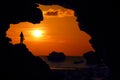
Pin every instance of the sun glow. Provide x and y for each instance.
(37, 33)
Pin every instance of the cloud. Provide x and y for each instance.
(58, 13)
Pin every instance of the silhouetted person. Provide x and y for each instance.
(21, 37)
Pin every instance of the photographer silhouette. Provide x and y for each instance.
(21, 37)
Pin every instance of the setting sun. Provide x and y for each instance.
(37, 33)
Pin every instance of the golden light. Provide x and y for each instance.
(37, 33)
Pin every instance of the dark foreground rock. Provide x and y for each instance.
(18, 63)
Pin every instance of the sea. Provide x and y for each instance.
(71, 62)
(75, 68)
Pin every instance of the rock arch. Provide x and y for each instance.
(93, 17)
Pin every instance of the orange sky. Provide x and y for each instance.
(60, 32)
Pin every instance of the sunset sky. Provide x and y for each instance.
(58, 31)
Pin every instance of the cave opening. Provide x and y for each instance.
(61, 33)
